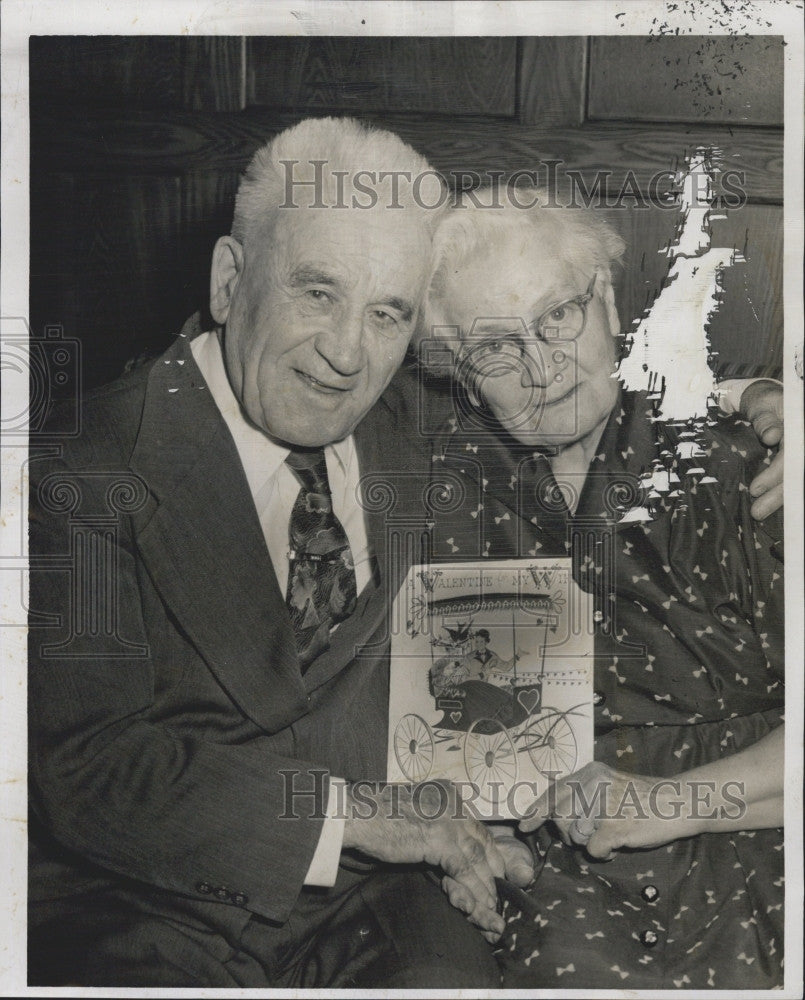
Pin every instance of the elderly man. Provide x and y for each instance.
(209, 637)
(187, 724)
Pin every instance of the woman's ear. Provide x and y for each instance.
(227, 267)
(608, 298)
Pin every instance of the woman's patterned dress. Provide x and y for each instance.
(688, 670)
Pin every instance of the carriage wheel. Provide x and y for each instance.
(413, 747)
(551, 744)
(489, 757)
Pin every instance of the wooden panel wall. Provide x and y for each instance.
(347, 75)
(137, 144)
(134, 73)
(700, 78)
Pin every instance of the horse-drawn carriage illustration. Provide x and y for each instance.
(492, 712)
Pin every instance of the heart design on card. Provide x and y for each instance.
(529, 698)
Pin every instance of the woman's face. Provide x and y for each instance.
(553, 393)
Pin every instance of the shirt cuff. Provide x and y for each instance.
(324, 865)
(729, 392)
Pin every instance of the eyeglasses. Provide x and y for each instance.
(567, 320)
(562, 322)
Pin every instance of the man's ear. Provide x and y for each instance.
(227, 267)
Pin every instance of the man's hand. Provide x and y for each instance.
(516, 856)
(404, 824)
(762, 405)
(519, 870)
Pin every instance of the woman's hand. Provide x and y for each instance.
(604, 810)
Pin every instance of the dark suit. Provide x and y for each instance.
(167, 702)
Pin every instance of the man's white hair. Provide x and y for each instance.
(480, 222)
(355, 157)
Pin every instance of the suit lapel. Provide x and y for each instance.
(201, 540)
(391, 463)
(204, 548)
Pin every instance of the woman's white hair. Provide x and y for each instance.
(477, 225)
(318, 162)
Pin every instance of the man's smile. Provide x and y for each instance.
(323, 387)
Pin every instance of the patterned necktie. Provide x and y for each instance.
(321, 575)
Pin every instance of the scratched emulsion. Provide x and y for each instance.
(670, 349)
(699, 17)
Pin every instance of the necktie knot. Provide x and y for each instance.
(310, 468)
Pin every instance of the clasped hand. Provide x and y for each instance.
(405, 824)
(604, 810)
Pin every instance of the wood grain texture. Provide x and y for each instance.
(704, 78)
(552, 81)
(748, 330)
(175, 142)
(108, 71)
(53, 291)
(113, 259)
(208, 201)
(212, 74)
(137, 144)
(464, 75)
(136, 72)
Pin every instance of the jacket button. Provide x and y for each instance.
(204, 887)
(240, 899)
(649, 938)
(222, 894)
(650, 893)
(599, 698)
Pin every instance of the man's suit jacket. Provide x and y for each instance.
(165, 698)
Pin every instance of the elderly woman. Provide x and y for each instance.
(673, 875)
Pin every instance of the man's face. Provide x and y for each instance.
(320, 318)
(556, 393)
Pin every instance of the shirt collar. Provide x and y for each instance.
(261, 457)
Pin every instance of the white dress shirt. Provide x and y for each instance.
(274, 489)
